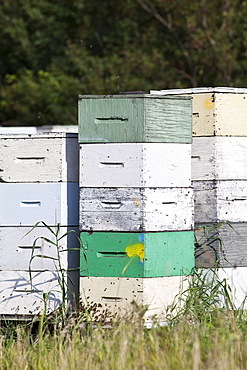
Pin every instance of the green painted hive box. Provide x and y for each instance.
(137, 255)
(135, 118)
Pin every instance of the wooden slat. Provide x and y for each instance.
(205, 206)
(134, 118)
(199, 90)
(168, 121)
(116, 295)
(135, 165)
(203, 114)
(205, 256)
(24, 204)
(203, 158)
(38, 158)
(135, 209)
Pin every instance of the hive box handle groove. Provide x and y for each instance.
(113, 119)
(36, 159)
(111, 204)
(169, 203)
(30, 204)
(28, 290)
(111, 254)
(111, 164)
(29, 247)
(112, 299)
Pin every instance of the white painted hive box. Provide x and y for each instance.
(24, 204)
(220, 158)
(51, 157)
(21, 296)
(135, 165)
(22, 248)
(117, 294)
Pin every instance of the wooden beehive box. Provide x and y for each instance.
(50, 157)
(22, 248)
(134, 118)
(137, 255)
(220, 201)
(219, 158)
(136, 209)
(114, 295)
(135, 165)
(20, 296)
(24, 204)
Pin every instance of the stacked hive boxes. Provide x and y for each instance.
(136, 204)
(38, 182)
(219, 174)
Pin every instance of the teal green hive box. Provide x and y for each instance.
(135, 118)
(137, 255)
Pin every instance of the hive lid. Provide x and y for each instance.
(200, 90)
(133, 95)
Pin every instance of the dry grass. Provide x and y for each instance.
(217, 341)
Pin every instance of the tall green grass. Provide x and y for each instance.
(219, 341)
(199, 334)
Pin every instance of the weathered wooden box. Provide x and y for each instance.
(114, 295)
(134, 118)
(24, 204)
(137, 254)
(219, 158)
(50, 157)
(136, 209)
(224, 244)
(219, 111)
(220, 201)
(135, 165)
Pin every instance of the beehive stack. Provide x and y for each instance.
(136, 212)
(219, 174)
(38, 182)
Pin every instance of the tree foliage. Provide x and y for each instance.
(52, 51)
